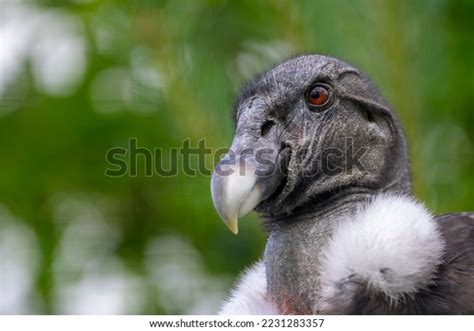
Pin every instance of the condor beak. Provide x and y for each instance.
(241, 181)
(235, 192)
(252, 169)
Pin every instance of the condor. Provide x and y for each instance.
(345, 234)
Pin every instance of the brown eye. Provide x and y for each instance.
(318, 96)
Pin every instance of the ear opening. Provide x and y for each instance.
(368, 115)
(380, 121)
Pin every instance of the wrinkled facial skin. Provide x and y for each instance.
(350, 142)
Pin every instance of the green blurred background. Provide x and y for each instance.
(78, 78)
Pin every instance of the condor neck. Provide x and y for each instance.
(294, 249)
(321, 207)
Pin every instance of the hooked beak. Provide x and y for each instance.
(239, 183)
(235, 192)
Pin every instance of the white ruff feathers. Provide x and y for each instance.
(250, 295)
(391, 244)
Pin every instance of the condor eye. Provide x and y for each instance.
(317, 95)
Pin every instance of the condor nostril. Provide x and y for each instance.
(266, 127)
